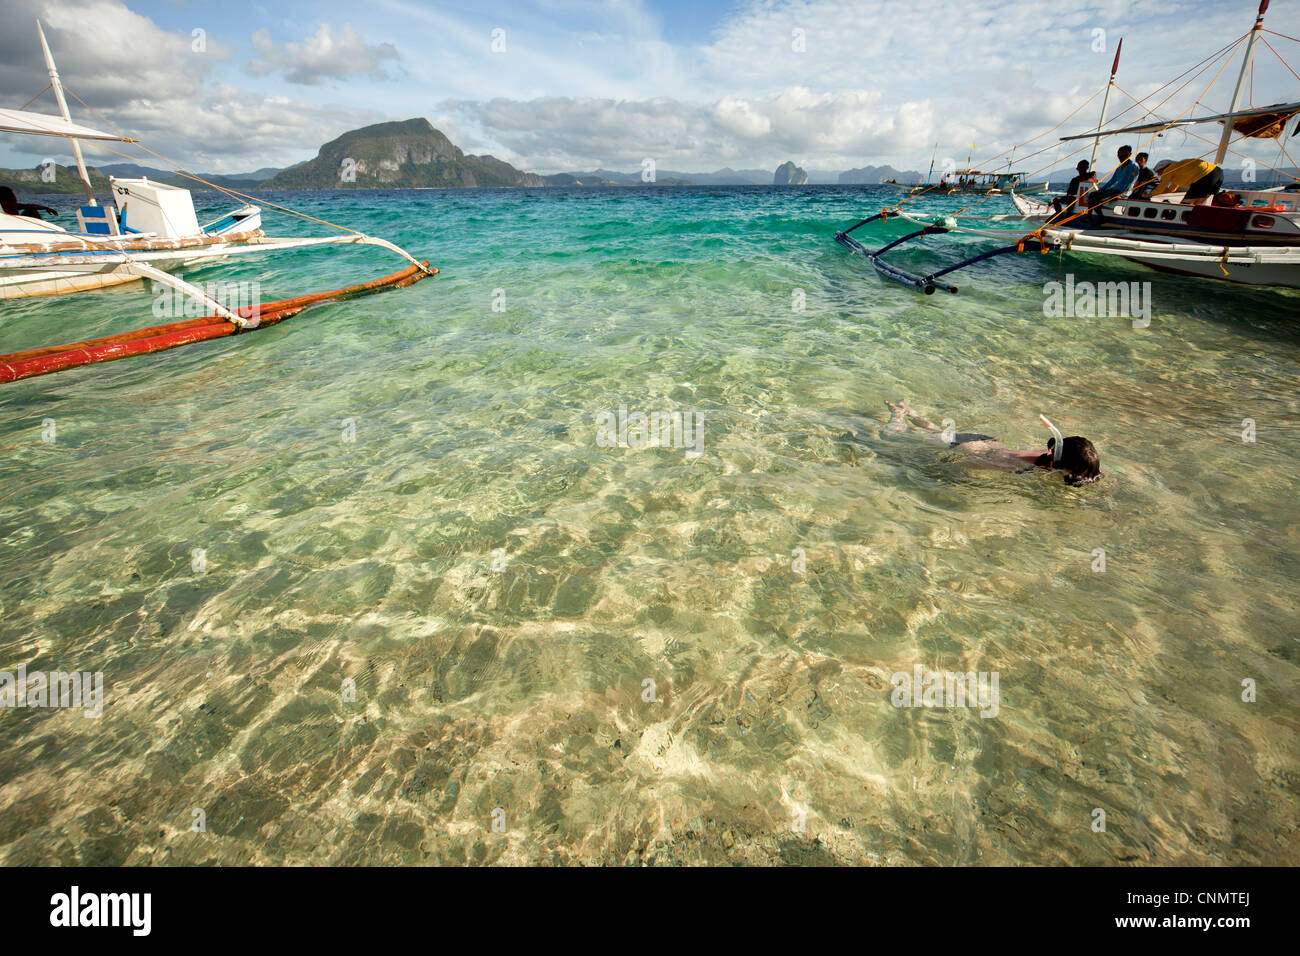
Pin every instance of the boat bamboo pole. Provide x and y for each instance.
(146, 271)
(1230, 123)
(1105, 104)
(57, 86)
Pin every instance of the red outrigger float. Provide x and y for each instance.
(157, 338)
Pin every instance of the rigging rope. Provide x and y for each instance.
(1214, 143)
(1280, 57)
(36, 97)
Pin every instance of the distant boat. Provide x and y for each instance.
(976, 182)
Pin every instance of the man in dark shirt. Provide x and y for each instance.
(1060, 203)
(1147, 179)
(10, 206)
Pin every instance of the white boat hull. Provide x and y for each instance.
(1263, 274)
(32, 272)
(1265, 265)
(22, 275)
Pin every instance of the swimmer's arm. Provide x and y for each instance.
(993, 454)
(1023, 461)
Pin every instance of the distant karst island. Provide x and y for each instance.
(412, 153)
(788, 174)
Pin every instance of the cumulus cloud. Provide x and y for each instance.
(568, 133)
(155, 86)
(325, 54)
(582, 85)
(105, 52)
(839, 83)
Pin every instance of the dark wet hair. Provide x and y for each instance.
(1081, 165)
(1079, 461)
(1125, 152)
(1142, 156)
(8, 201)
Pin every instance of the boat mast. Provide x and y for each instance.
(63, 108)
(1231, 122)
(932, 156)
(1105, 103)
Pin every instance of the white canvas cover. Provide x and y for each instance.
(42, 124)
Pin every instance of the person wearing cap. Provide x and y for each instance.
(1085, 180)
(1198, 180)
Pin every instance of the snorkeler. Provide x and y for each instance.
(1075, 456)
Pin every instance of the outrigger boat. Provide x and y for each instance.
(973, 182)
(152, 227)
(976, 183)
(1256, 242)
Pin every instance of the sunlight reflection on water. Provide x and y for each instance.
(500, 588)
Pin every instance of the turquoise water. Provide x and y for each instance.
(500, 586)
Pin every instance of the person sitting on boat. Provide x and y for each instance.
(11, 207)
(1198, 180)
(1086, 175)
(1120, 181)
(1147, 178)
(1075, 457)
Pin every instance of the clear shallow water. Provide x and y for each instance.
(522, 688)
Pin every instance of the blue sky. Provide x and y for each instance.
(830, 84)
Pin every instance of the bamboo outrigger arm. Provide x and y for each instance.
(157, 275)
(53, 261)
(1024, 245)
(926, 284)
(930, 282)
(391, 247)
(130, 265)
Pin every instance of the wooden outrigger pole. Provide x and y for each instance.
(926, 284)
(57, 85)
(1230, 123)
(1105, 103)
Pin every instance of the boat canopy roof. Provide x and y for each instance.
(42, 124)
(1278, 112)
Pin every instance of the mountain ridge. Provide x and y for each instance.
(395, 155)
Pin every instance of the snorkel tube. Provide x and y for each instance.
(1060, 440)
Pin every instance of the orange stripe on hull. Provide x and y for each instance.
(157, 338)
